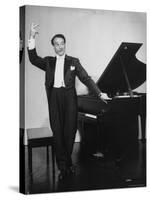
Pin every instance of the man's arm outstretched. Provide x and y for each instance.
(33, 57)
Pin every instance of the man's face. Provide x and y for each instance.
(59, 46)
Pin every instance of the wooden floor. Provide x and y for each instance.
(91, 173)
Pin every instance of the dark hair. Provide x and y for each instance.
(58, 36)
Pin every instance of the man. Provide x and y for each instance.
(61, 71)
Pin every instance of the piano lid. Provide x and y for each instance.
(124, 72)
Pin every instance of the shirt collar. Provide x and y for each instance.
(60, 57)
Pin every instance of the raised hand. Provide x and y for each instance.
(33, 31)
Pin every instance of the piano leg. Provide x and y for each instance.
(100, 143)
(91, 138)
(121, 133)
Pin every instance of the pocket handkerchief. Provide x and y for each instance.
(72, 68)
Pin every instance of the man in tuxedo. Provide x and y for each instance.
(60, 73)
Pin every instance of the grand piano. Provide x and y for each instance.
(117, 125)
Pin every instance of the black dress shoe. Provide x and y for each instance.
(62, 175)
(72, 169)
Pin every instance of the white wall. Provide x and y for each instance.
(92, 35)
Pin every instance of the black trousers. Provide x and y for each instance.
(63, 120)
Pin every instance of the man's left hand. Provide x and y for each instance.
(103, 97)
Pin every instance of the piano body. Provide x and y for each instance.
(115, 126)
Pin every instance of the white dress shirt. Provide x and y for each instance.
(31, 43)
(59, 72)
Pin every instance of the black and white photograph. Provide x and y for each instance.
(82, 99)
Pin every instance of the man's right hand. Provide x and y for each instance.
(32, 34)
(33, 31)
